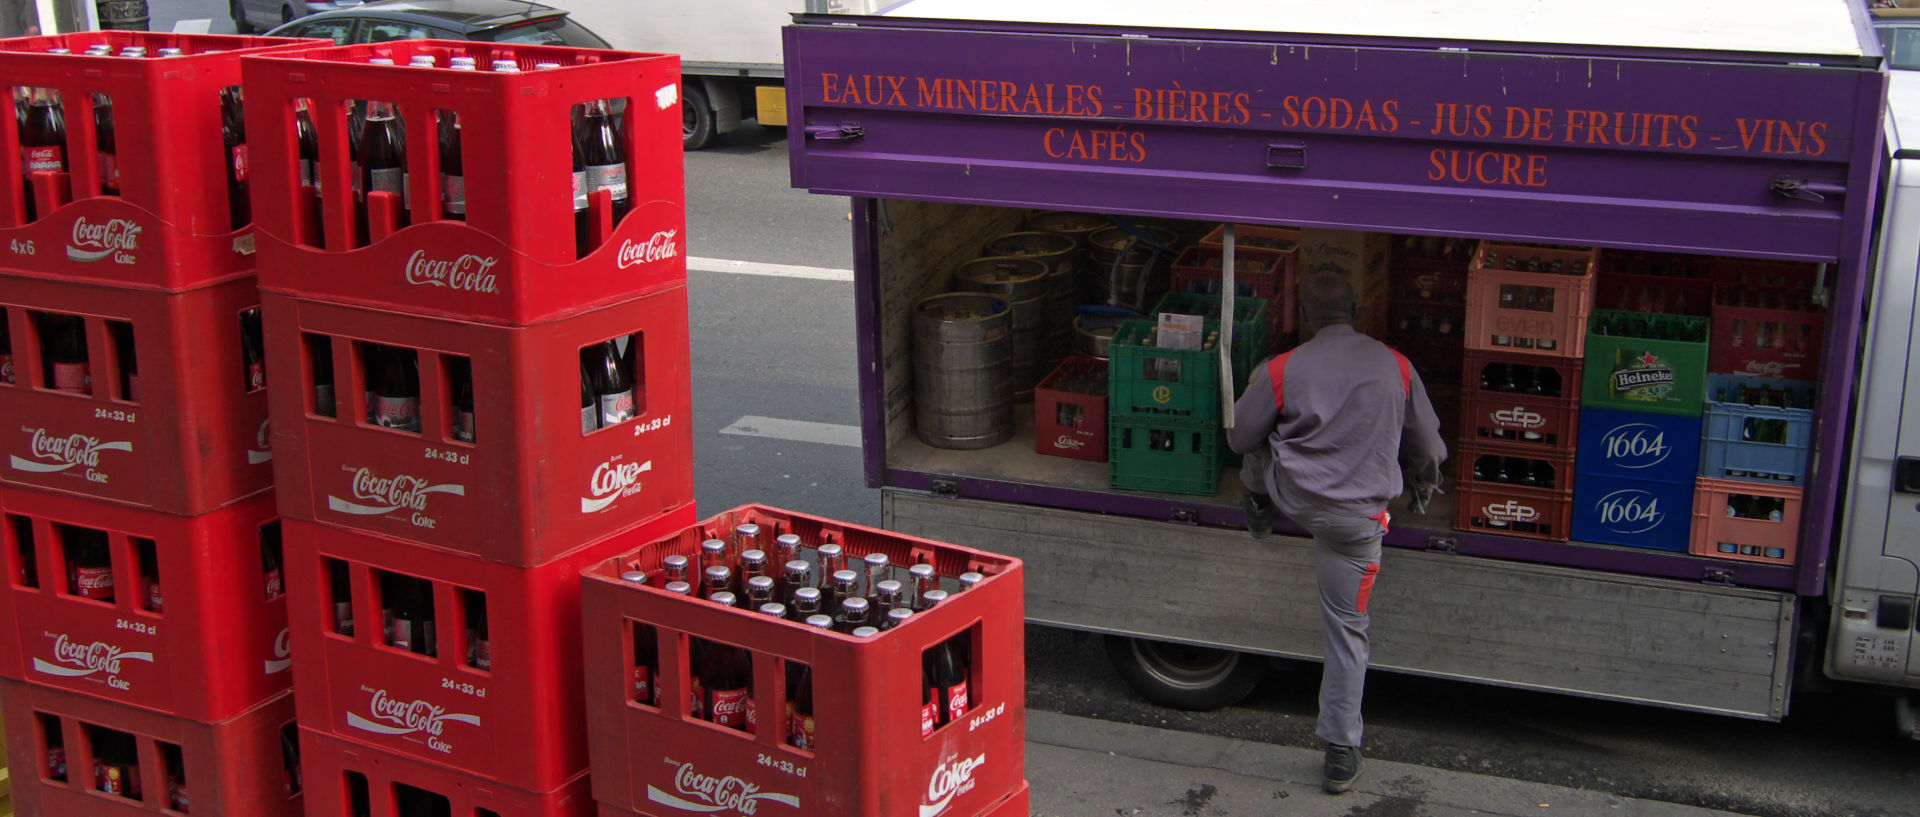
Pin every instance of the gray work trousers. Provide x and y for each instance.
(1346, 559)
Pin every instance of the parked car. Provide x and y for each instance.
(499, 21)
(254, 15)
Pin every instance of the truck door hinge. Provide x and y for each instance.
(1789, 187)
(847, 131)
(1443, 544)
(946, 487)
(1719, 576)
(1189, 516)
(1286, 156)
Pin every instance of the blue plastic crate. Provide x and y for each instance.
(1633, 512)
(1758, 443)
(1639, 445)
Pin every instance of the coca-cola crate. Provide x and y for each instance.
(171, 224)
(1667, 283)
(1799, 275)
(1269, 275)
(534, 482)
(1632, 512)
(1513, 510)
(347, 779)
(1017, 804)
(870, 754)
(513, 260)
(503, 706)
(1540, 308)
(1492, 464)
(1070, 410)
(70, 754)
(1529, 421)
(1766, 331)
(1430, 268)
(180, 427)
(1748, 521)
(217, 644)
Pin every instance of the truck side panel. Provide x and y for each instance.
(1652, 641)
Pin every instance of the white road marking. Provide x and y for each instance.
(698, 264)
(796, 430)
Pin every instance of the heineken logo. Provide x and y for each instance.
(1647, 380)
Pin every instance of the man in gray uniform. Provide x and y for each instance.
(1327, 430)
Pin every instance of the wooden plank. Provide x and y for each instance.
(1581, 632)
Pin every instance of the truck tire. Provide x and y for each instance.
(696, 116)
(1182, 676)
(239, 15)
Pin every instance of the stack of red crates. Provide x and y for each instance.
(836, 724)
(1266, 266)
(434, 567)
(1427, 304)
(144, 646)
(1527, 310)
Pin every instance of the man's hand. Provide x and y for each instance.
(1422, 495)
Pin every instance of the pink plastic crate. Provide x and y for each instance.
(1750, 533)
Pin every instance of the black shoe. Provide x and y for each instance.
(1259, 510)
(1343, 765)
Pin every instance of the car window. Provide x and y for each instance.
(1902, 44)
(550, 31)
(339, 31)
(381, 31)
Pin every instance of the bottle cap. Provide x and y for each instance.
(675, 561)
(713, 546)
(506, 66)
(746, 530)
(724, 597)
(421, 59)
(898, 615)
(922, 571)
(846, 577)
(635, 576)
(822, 622)
(775, 609)
(876, 559)
(788, 541)
(542, 66)
(855, 606)
(830, 551)
(933, 597)
(59, 50)
(171, 52)
(889, 587)
(761, 583)
(681, 588)
(380, 61)
(807, 594)
(865, 632)
(798, 566)
(757, 557)
(970, 579)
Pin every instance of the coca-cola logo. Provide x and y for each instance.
(1635, 446)
(1510, 511)
(282, 659)
(951, 778)
(1630, 510)
(393, 493)
(262, 451)
(612, 480)
(398, 717)
(92, 242)
(467, 273)
(1069, 443)
(1519, 417)
(83, 659)
(63, 453)
(729, 793)
(1766, 369)
(662, 246)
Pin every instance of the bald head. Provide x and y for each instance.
(1326, 300)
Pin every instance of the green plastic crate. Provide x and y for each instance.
(1169, 456)
(1150, 382)
(1638, 361)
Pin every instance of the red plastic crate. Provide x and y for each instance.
(1514, 510)
(236, 767)
(1766, 331)
(1430, 268)
(1254, 237)
(1745, 537)
(333, 769)
(1070, 423)
(1528, 421)
(1485, 374)
(871, 757)
(518, 721)
(1017, 804)
(1510, 310)
(513, 261)
(533, 484)
(1667, 283)
(1799, 275)
(171, 226)
(197, 437)
(218, 647)
(1558, 462)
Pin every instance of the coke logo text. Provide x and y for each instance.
(75, 450)
(403, 492)
(90, 242)
(468, 273)
(1630, 511)
(1636, 445)
(662, 246)
(1069, 443)
(712, 794)
(1519, 417)
(282, 659)
(612, 480)
(87, 659)
(1510, 511)
(1766, 369)
(951, 779)
(400, 718)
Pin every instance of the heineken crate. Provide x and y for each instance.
(1175, 384)
(1169, 456)
(1642, 362)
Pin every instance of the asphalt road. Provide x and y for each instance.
(781, 348)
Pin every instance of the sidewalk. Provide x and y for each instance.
(1079, 767)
